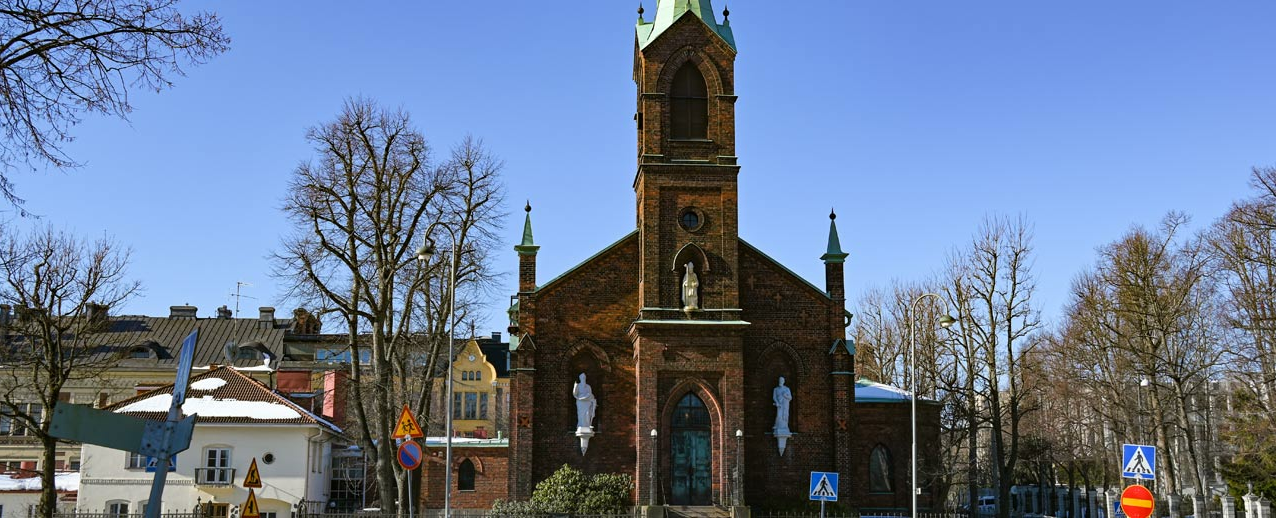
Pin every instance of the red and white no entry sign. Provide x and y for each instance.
(1137, 502)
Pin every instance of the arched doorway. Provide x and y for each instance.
(689, 461)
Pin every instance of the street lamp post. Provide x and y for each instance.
(424, 254)
(739, 457)
(653, 490)
(944, 321)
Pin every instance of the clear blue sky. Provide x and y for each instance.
(914, 119)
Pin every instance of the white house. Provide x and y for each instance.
(239, 419)
(20, 493)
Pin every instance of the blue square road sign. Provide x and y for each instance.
(824, 486)
(1138, 461)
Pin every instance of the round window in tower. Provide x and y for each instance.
(691, 219)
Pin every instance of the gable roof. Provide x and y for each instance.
(869, 391)
(669, 11)
(164, 336)
(223, 395)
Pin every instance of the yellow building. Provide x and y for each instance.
(480, 392)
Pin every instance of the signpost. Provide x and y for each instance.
(1138, 461)
(409, 455)
(407, 427)
(250, 507)
(1137, 502)
(409, 452)
(251, 481)
(823, 488)
(253, 478)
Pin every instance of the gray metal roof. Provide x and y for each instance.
(163, 336)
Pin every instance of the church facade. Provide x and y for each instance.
(681, 354)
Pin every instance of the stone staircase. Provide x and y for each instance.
(697, 511)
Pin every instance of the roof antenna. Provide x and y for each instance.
(238, 295)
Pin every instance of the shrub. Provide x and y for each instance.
(568, 491)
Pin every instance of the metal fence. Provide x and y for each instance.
(866, 514)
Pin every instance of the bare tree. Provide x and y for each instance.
(60, 288)
(991, 290)
(360, 211)
(62, 58)
(1146, 322)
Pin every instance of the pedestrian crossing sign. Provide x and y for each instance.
(1138, 461)
(824, 486)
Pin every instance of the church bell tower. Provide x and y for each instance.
(688, 338)
(684, 67)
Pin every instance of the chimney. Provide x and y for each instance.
(266, 317)
(6, 315)
(182, 311)
(97, 313)
(224, 312)
(496, 336)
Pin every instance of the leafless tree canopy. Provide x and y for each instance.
(59, 288)
(62, 58)
(360, 209)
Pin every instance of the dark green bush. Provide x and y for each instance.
(568, 491)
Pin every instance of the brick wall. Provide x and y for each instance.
(491, 477)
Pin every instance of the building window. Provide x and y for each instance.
(478, 375)
(471, 405)
(13, 423)
(139, 352)
(216, 466)
(465, 476)
(117, 508)
(482, 405)
(880, 475)
(688, 104)
(136, 461)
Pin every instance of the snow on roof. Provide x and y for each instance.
(465, 441)
(69, 481)
(209, 406)
(208, 384)
(224, 395)
(867, 390)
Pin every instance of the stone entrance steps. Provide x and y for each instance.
(698, 511)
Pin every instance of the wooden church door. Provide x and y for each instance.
(690, 463)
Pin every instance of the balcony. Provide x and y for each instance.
(214, 476)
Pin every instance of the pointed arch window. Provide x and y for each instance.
(689, 104)
(465, 476)
(880, 475)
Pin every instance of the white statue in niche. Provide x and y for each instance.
(781, 396)
(690, 289)
(586, 404)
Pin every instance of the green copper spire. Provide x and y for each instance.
(669, 11)
(834, 254)
(527, 247)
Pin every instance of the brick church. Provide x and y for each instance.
(681, 354)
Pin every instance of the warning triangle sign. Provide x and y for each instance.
(250, 507)
(1138, 464)
(824, 488)
(253, 478)
(407, 427)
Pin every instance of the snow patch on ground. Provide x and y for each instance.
(63, 481)
(209, 406)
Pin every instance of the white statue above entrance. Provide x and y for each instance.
(690, 289)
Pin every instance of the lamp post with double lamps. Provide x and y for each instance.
(424, 254)
(944, 321)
